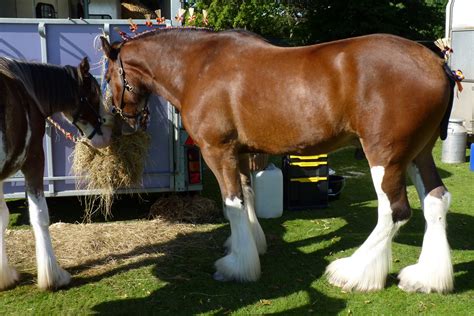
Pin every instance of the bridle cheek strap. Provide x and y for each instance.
(141, 116)
(97, 126)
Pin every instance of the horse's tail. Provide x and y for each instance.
(445, 121)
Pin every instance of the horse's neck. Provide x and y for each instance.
(169, 65)
(53, 88)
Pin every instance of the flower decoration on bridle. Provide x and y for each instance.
(122, 34)
(179, 16)
(148, 21)
(191, 16)
(159, 18)
(205, 21)
(133, 26)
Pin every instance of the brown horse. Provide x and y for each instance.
(238, 94)
(29, 93)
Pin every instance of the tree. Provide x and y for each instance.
(310, 21)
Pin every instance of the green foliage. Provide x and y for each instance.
(310, 21)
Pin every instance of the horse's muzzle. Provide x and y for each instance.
(103, 140)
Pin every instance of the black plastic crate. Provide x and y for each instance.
(305, 182)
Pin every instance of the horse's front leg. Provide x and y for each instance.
(249, 203)
(242, 262)
(50, 274)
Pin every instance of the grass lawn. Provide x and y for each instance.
(301, 244)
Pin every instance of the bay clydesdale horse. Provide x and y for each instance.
(29, 93)
(238, 94)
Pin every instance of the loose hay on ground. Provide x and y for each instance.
(87, 250)
(118, 166)
(186, 208)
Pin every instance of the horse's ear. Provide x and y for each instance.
(110, 51)
(84, 67)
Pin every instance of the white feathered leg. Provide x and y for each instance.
(367, 268)
(434, 270)
(257, 231)
(242, 263)
(50, 274)
(8, 275)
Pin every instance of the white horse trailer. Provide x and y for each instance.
(460, 29)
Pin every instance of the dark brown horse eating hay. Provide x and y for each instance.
(29, 93)
(238, 94)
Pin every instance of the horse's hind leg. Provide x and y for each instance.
(434, 271)
(367, 268)
(242, 262)
(8, 275)
(50, 274)
(249, 203)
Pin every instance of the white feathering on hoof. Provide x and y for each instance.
(434, 270)
(242, 263)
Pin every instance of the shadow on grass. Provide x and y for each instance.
(187, 263)
(187, 267)
(71, 209)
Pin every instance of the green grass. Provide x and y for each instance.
(301, 244)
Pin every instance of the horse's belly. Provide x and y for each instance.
(295, 142)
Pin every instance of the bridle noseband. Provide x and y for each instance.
(141, 116)
(84, 102)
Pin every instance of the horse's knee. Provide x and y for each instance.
(401, 211)
(38, 210)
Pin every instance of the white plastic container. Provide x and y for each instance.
(268, 188)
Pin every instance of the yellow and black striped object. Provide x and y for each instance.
(305, 182)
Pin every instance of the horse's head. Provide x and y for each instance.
(89, 115)
(129, 94)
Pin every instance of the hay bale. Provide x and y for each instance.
(118, 166)
(193, 209)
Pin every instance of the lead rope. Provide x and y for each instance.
(66, 134)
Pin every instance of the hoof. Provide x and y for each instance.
(8, 278)
(233, 268)
(60, 279)
(417, 278)
(217, 276)
(350, 274)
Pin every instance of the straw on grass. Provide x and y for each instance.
(193, 209)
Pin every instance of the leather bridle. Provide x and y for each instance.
(140, 116)
(84, 102)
